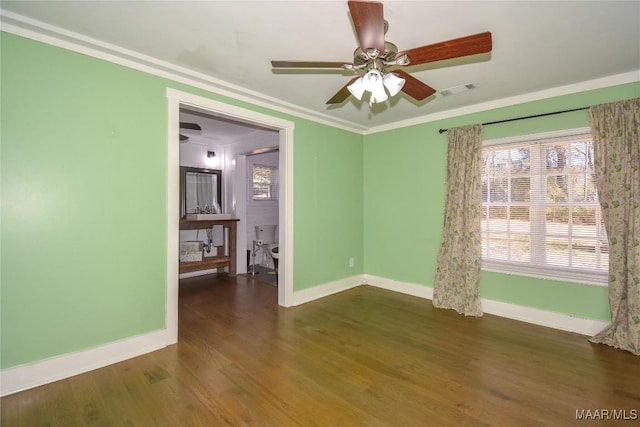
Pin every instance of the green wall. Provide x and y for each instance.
(83, 204)
(83, 221)
(404, 172)
(328, 190)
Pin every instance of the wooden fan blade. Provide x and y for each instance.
(343, 93)
(183, 137)
(309, 64)
(456, 48)
(368, 19)
(414, 87)
(192, 126)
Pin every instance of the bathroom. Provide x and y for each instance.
(247, 158)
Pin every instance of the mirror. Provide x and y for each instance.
(200, 190)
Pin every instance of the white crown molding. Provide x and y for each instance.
(20, 25)
(39, 31)
(615, 80)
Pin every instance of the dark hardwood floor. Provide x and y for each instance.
(364, 357)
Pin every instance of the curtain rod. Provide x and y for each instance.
(526, 117)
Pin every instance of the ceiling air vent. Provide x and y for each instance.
(457, 89)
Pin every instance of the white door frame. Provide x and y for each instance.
(176, 99)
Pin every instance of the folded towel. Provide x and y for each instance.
(217, 235)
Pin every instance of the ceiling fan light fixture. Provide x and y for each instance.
(372, 80)
(393, 83)
(378, 95)
(357, 88)
(375, 83)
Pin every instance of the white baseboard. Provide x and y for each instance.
(321, 291)
(540, 317)
(402, 287)
(23, 377)
(536, 316)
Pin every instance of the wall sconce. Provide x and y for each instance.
(212, 161)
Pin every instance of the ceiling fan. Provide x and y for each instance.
(190, 126)
(378, 62)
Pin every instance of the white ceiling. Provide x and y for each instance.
(216, 131)
(537, 46)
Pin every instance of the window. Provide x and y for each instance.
(265, 182)
(540, 210)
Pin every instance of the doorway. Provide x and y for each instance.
(177, 100)
(261, 205)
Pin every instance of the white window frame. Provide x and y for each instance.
(599, 278)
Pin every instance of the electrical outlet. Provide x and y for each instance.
(352, 262)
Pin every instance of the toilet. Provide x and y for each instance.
(266, 234)
(266, 238)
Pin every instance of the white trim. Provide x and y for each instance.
(596, 278)
(546, 318)
(46, 371)
(615, 80)
(285, 216)
(521, 313)
(173, 216)
(321, 291)
(39, 31)
(412, 289)
(239, 203)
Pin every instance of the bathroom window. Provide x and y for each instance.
(540, 210)
(265, 182)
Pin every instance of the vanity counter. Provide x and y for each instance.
(228, 257)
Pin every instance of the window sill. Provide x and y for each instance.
(548, 273)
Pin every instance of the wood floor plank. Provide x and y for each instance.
(364, 357)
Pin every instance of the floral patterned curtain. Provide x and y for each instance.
(616, 135)
(457, 281)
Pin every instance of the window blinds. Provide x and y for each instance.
(540, 206)
(265, 182)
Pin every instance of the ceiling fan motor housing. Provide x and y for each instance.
(362, 59)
